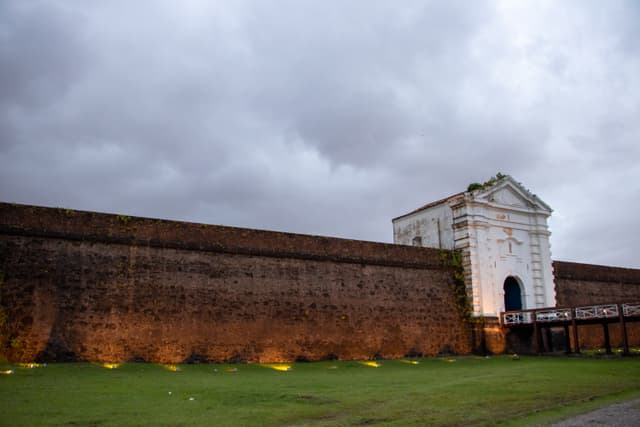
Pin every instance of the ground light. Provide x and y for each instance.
(172, 368)
(370, 363)
(111, 365)
(278, 366)
(32, 365)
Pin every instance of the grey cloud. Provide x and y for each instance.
(338, 68)
(40, 53)
(321, 117)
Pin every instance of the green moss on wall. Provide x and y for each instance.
(453, 260)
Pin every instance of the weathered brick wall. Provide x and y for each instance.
(587, 284)
(80, 285)
(578, 284)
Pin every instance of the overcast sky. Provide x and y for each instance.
(325, 117)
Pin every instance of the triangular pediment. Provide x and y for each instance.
(507, 196)
(508, 192)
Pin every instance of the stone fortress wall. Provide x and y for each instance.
(91, 286)
(585, 284)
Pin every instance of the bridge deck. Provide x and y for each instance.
(548, 317)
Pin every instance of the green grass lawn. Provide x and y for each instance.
(437, 391)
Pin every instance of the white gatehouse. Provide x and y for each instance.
(501, 230)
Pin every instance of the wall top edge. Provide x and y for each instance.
(595, 273)
(114, 228)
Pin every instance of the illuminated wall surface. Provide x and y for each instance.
(81, 285)
(88, 286)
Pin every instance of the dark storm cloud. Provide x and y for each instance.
(346, 79)
(323, 117)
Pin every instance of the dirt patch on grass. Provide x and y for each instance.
(371, 421)
(624, 414)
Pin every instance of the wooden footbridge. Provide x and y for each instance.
(543, 319)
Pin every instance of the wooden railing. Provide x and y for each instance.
(543, 319)
(566, 314)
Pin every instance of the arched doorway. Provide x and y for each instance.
(512, 294)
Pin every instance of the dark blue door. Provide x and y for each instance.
(512, 296)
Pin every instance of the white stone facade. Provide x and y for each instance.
(502, 234)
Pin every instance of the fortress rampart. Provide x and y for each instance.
(583, 284)
(586, 284)
(90, 286)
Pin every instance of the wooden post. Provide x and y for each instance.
(567, 340)
(623, 329)
(574, 326)
(536, 334)
(607, 341)
(549, 339)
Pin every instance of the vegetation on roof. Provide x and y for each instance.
(477, 186)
